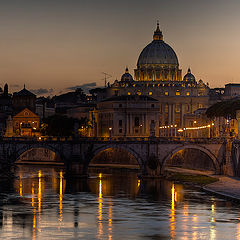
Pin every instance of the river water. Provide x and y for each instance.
(41, 204)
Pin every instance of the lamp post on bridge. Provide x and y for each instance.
(140, 129)
(110, 132)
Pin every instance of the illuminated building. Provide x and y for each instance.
(158, 75)
(126, 116)
(158, 61)
(26, 123)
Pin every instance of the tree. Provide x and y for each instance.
(226, 109)
(59, 125)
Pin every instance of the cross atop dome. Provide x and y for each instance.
(158, 33)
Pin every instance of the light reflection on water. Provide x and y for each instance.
(42, 204)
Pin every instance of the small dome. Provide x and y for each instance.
(189, 77)
(126, 77)
(157, 52)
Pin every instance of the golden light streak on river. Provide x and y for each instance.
(172, 215)
(100, 208)
(34, 214)
(213, 223)
(61, 197)
(39, 198)
(39, 191)
(20, 186)
(110, 220)
(185, 221)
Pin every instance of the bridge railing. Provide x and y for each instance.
(114, 139)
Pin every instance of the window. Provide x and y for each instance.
(166, 93)
(166, 108)
(139, 93)
(116, 92)
(129, 93)
(152, 105)
(150, 93)
(120, 105)
(120, 123)
(136, 121)
(188, 93)
(177, 108)
(120, 130)
(177, 93)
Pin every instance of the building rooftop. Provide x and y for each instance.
(24, 92)
(130, 98)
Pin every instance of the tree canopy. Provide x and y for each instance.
(226, 109)
(60, 125)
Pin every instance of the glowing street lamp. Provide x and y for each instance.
(110, 131)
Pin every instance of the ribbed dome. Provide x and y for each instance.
(189, 77)
(157, 52)
(126, 77)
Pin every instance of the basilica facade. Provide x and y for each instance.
(158, 76)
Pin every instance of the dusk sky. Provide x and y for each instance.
(61, 44)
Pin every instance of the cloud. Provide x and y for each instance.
(85, 87)
(41, 91)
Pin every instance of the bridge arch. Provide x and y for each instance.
(29, 147)
(127, 149)
(203, 149)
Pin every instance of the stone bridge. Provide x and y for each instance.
(151, 154)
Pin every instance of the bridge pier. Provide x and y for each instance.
(152, 167)
(75, 167)
(232, 164)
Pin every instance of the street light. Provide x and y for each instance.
(110, 132)
(140, 129)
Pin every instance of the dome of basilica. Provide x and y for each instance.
(157, 52)
(158, 61)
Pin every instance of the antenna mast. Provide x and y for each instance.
(106, 76)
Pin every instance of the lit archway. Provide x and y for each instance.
(192, 157)
(39, 155)
(116, 157)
